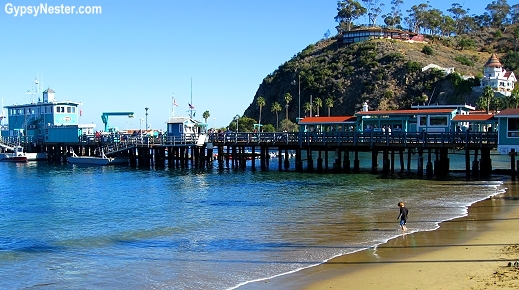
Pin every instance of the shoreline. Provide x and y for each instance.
(470, 252)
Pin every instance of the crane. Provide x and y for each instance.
(104, 117)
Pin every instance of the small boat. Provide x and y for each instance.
(94, 160)
(17, 156)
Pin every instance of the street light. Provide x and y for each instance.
(286, 123)
(140, 127)
(236, 118)
(146, 117)
(299, 95)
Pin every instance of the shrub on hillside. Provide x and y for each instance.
(413, 66)
(427, 50)
(464, 60)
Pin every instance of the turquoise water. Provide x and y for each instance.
(70, 227)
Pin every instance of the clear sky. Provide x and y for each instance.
(138, 54)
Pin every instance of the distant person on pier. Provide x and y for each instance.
(403, 216)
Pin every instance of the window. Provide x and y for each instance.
(438, 120)
(423, 121)
(69, 110)
(513, 127)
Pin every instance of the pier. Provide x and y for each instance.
(309, 152)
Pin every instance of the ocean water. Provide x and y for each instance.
(74, 227)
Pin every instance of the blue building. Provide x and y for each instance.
(181, 127)
(508, 130)
(47, 120)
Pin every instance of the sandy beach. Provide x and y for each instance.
(472, 252)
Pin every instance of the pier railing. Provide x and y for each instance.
(357, 138)
(352, 138)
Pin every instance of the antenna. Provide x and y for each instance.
(35, 90)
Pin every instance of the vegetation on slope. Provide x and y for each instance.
(328, 78)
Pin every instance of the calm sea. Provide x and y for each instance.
(71, 227)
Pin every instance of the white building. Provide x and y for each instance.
(495, 76)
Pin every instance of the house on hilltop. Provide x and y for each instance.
(367, 33)
(495, 76)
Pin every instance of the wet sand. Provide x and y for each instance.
(472, 252)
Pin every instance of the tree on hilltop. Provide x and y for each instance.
(498, 11)
(374, 9)
(394, 18)
(348, 11)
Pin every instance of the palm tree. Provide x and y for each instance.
(318, 104)
(260, 102)
(288, 98)
(307, 107)
(206, 116)
(488, 95)
(276, 108)
(512, 101)
(329, 104)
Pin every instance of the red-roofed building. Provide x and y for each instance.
(414, 120)
(328, 124)
(476, 122)
(495, 76)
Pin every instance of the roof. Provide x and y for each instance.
(408, 112)
(473, 117)
(383, 29)
(49, 90)
(328, 120)
(493, 61)
(180, 119)
(508, 113)
(54, 103)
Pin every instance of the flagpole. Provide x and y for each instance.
(191, 103)
(173, 106)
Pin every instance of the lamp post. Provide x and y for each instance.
(140, 128)
(237, 117)
(286, 122)
(146, 117)
(298, 96)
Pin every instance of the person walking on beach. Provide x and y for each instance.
(403, 216)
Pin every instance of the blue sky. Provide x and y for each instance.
(137, 54)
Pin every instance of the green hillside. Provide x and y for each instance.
(385, 73)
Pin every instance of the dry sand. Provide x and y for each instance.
(472, 252)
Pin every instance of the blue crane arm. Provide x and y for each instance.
(104, 117)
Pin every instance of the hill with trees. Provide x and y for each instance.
(329, 78)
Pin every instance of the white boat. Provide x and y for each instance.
(18, 150)
(17, 156)
(94, 160)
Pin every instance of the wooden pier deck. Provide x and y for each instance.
(232, 150)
